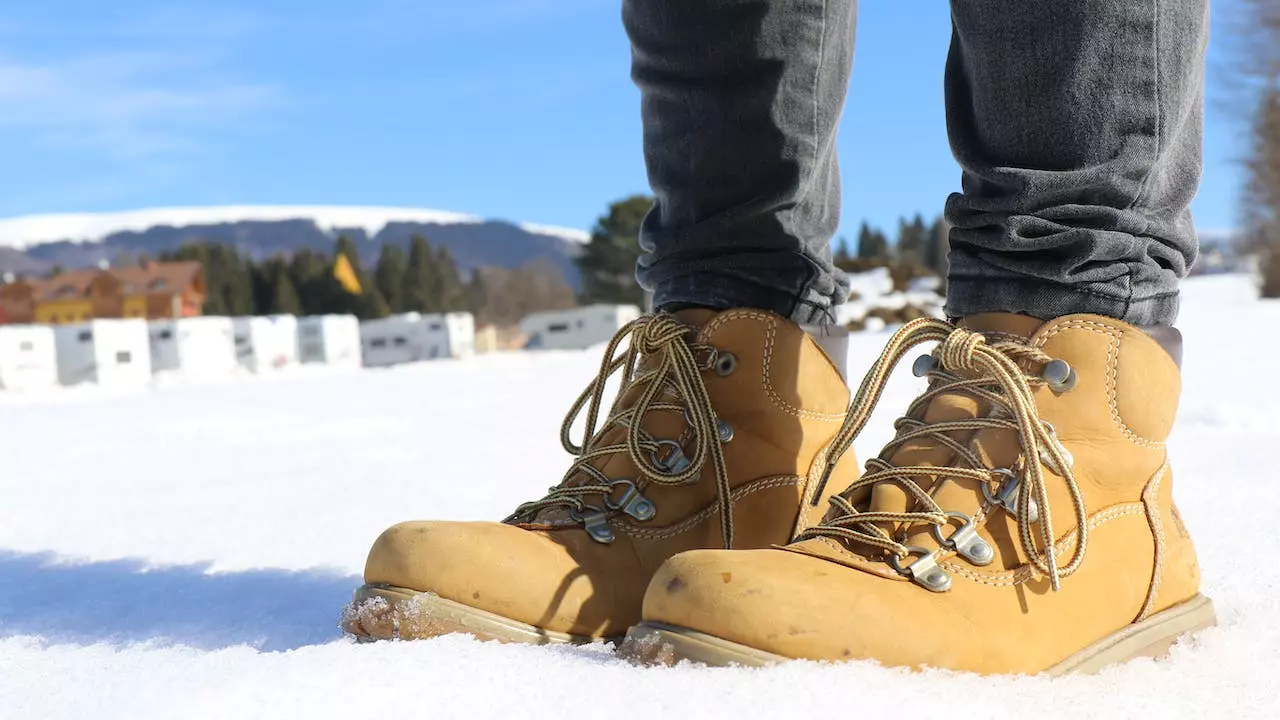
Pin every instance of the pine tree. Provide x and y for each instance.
(419, 278)
(478, 298)
(912, 238)
(389, 276)
(284, 297)
(372, 305)
(450, 295)
(608, 262)
(309, 271)
(872, 244)
(240, 302)
(938, 246)
(841, 258)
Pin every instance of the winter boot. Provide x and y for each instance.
(1020, 522)
(719, 437)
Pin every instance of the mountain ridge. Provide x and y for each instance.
(37, 243)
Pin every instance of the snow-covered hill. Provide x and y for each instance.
(183, 552)
(38, 243)
(22, 232)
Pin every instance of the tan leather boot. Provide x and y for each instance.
(718, 438)
(1020, 522)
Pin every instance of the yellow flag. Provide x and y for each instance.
(346, 275)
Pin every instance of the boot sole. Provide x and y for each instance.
(386, 612)
(661, 644)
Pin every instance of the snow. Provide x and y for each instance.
(22, 232)
(873, 289)
(183, 551)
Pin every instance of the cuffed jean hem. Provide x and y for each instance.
(721, 292)
(972, 294)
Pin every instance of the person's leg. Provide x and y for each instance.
(1078, 126)
(1026, 497)
(719, 440)
(740, 102)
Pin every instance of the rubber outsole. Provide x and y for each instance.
(660, 644)
(386, 612)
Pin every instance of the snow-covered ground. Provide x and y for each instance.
(184, 551)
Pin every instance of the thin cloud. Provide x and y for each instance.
(126, 105)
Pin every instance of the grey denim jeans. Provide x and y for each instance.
(1077, 124)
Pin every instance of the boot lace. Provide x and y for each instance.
(679, 365)
(964, 361)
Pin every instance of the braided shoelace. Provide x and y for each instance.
(679, 366)
(968, 363)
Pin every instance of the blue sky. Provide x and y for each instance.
(517, 109)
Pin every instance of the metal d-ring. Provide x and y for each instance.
(1006, 496)
(1047, 459)
(632, 502)
(596, 522)
(674, 460)
(924, 572)
(966, 541)
(724, 431)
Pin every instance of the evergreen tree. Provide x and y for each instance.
(450, 295)
(309, 271)
(842, 256)
(872, 244)
(284, 297)
(419, 278)
(240, 284)
(608, 262)
(228, 278)
(478, 298)
(912, 238)
(389, 276)
(372, 305)
(935, 257)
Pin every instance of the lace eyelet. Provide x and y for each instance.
(1060, 376)
(725, 364)
(923, 365)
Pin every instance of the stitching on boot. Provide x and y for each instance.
(771, 324)
(710, 511)
(1113, 364)
(1024, 573)
(1151, 501)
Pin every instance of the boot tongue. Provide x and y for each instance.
(997, 326)
(996, 448)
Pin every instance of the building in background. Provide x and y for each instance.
(195, 347)
(266, 343)
(107, 352)
(329, 340)
(576, 328)
(150, 291)
(411, 337)
(28, 359)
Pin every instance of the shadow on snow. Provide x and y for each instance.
(122, 601)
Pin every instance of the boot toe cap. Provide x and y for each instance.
(784, 603)
(537, 578)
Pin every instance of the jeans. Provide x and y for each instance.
(1077, 125)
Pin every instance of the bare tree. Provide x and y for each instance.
(1258, 66)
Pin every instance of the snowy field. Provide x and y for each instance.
(184, 551)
